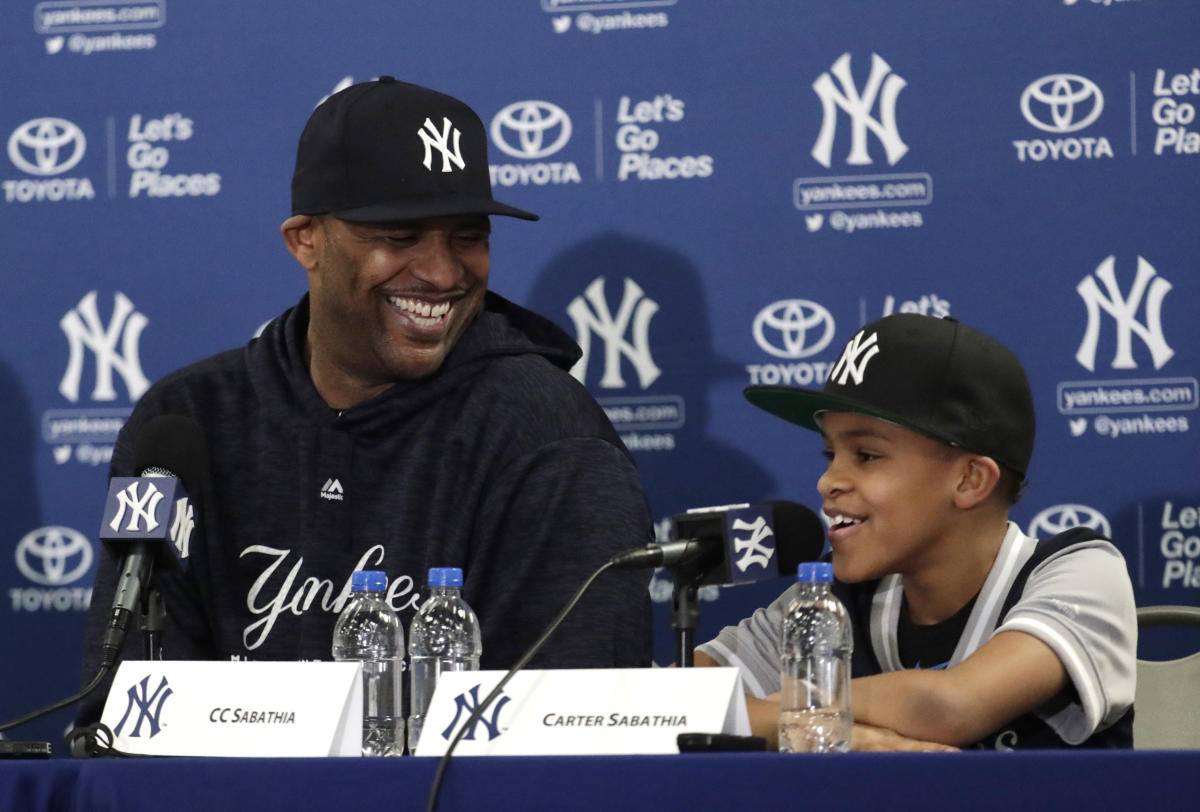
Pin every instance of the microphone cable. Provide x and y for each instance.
(62, 703)
(477, 714)
(113, 641)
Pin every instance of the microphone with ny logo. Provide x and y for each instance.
(149, 519)
(734, 544)
(727, 546)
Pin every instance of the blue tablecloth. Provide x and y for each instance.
(1009, 781)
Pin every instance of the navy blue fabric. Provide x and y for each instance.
(500, 464)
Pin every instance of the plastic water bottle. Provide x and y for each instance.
(369, 631)
(815, 697)
(444, 636)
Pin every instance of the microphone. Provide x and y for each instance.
(150, 518)
(735, 544)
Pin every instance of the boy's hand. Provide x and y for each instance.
(868, 737)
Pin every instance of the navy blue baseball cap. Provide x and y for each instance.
(935, 376)
(387, 151)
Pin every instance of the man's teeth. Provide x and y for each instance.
(843, 521)
(419, 308)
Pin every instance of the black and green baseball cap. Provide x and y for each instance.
(932, 375)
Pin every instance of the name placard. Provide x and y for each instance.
(212, 708)
(584, 711)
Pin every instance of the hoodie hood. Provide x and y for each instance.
(279, 371)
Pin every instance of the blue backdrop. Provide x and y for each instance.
(728, 191)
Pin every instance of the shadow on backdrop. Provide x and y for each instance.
(639, 312)
(36, 562)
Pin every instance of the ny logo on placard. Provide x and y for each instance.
(753, 550)
(441, 142)
(466, 703)
(633, 317)
(855, 358)
(1147, 287)
(149, 707)
(141, 508)
(882, 85)
(83, 329)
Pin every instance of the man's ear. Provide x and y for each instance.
(304, 236)
(977, 481)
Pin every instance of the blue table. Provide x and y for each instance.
(1001, 781)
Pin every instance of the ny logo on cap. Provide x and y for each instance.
(441, 142)
(854, 359)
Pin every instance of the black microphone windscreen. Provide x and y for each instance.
(799, 535)
(174, 443)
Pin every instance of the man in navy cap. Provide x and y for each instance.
(400, 417)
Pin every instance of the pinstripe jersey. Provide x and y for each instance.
(1071, 591)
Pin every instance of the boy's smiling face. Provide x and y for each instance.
(888, 493)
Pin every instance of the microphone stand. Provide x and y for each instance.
(153, 616)
(685, 617)
(685, 607)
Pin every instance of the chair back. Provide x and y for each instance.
(1167, 700)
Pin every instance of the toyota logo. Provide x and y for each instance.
(531, 123)
(789, 329)
(53, 556)
(1054, 520)
(46, 146)
(1066, 102)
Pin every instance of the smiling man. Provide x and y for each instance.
(400, 417)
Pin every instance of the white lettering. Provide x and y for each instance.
(53, 189)
(310, 593)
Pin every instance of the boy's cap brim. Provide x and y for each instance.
(934, 376)
(804, 407)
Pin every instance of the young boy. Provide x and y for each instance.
(966, 632)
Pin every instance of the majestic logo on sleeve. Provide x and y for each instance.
(633, 317)
(854, 360)
(83, 329)
(332, 490)
(1147, 287)
(149, 707)
(882, 86)
(433, 139)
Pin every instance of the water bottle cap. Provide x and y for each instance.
(445, 576)
(820, 572)
(368, 581)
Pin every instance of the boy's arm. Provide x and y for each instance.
(1008, 676)
(764, 721)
